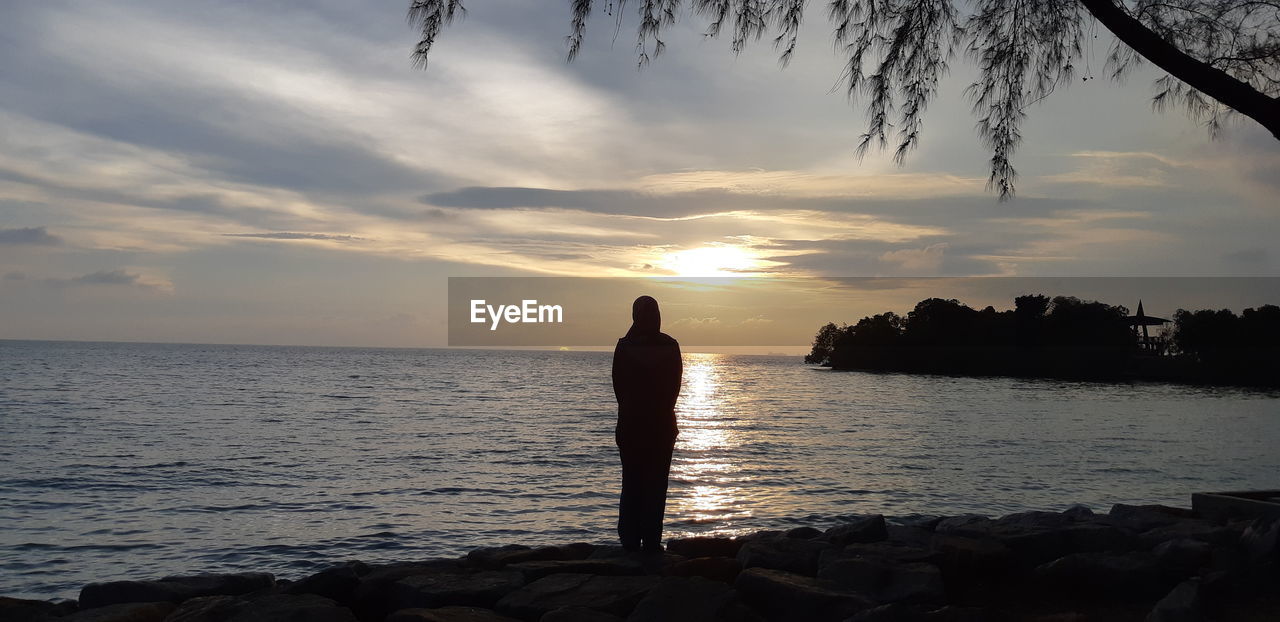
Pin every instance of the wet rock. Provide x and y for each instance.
(443, 589)
(864, 529)
(578, 614)
(268, 608)
(1182, 604)
(909, 535)
(337, 582)
(1094, 575)
(123, 612)
(803, 533)
(705, 546)
(374, 597)
(682, 599)
(891, 552)
(886, 582)
(1260, 541)
(172, 589)
(723, 569)
(790, 554)
(614, 595)
(22, 610)
(966, 525)
(1086, 537)
(448, 614)
(532, 571)
(781, 595)
(577, 550)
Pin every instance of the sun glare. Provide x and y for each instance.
(711, 261)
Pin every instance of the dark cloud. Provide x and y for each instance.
(108, 277)
(35, 236)
(1247, 257)
(291, 235)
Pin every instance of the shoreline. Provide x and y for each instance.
(1134, 562)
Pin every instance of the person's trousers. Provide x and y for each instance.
(644, 494)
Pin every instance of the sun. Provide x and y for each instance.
(711, 261)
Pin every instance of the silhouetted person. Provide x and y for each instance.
(646, 381)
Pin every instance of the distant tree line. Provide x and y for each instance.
(1062, 336)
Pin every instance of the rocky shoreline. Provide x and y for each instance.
(1154, 563)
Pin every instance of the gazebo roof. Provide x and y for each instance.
(1142, 319)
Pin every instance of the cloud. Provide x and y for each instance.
(290, 235)
(34, 236)
(919, 260)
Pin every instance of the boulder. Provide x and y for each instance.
(685, 599)
(532, 571)
(448, 614)
(499, 556)
(613, 595)
(803, 533)
(705, 546)
(904, 612)
(22, 610)
(1103, 575)
(863, 529)
(173, 589)
(723, 569)
(782, 595)
(1146, 517)
(1260, 541)
(964, 557)
(790, 554)
(443, 589)
(1205, 531)
(1183, 556)
(889, 551)
(338, 583)
(578, 614)
(887, 582)
(374, 597)
(268, 608)
(123, 612)
(1182, 604)
(1078, 511)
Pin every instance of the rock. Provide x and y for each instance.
(1261, 541)
(909, 535)
(782, 595)
(967, 525)
(499, 556)
(374, 597)
(337, 582)
(865, 529)
(207, 609)
(790, 554)
(532, 571)
(1146, 517)
(1182, 604)
(705, 546)
(614, 595)
(803, 533)
(123, 612)
(965, 557)
(1087, 537)
(723, 569)
(682, 599)
(22, 610)
(443, 589)
(903, 612)
(1205, 531)
(1095, 575)
(172, 589)
(448, 614)
(892, 552)
(1078, 512)
(1184, 556)
(577, 550)
(268, 608)
(887, 582)
(578, 614)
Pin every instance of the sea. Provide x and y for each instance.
(136, 461)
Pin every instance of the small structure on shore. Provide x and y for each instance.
(1140, 321)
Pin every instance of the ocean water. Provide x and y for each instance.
(142, 460)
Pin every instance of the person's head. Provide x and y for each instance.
(645, 317)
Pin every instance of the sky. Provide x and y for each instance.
(281, 173)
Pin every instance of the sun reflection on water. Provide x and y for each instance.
(706, 486)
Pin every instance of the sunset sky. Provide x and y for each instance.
(280, 173)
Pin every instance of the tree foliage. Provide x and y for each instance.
(1222, 56)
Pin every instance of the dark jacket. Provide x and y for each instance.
(646, 382)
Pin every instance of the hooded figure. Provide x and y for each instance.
(646, 381)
